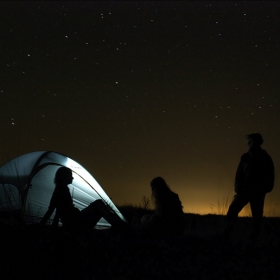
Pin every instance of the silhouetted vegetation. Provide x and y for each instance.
(145, 203)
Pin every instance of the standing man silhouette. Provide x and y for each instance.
(254, 179)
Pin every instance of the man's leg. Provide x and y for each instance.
(97, 210)
(257, 204)
(235, 207)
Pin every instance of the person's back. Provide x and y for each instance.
(170, 206)
(168, 219)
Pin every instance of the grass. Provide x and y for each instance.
(200, 253)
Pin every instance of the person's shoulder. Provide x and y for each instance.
(245, 155)
(175, 196)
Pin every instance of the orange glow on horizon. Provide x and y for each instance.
(269, 210)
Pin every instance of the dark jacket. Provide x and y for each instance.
(170, 207)
(170, 211)
(168, 218)
(255, 173)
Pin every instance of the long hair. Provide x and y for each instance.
(160, 192)
(60, 175)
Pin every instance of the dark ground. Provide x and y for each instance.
(32, 252)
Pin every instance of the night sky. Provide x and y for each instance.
(134, 90)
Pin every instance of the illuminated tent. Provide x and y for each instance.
(26, 185)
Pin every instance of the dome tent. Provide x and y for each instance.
(26, 185)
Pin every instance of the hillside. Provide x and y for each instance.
(201, 253)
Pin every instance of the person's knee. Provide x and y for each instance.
(97, 202)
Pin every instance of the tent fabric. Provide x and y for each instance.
(26, 184)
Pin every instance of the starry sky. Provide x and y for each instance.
(134, 90)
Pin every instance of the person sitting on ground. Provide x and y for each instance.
(70, 216)
(169, 216)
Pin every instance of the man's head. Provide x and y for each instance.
(254, 140)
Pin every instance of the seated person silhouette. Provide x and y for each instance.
(168, 218)
(70, 216)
